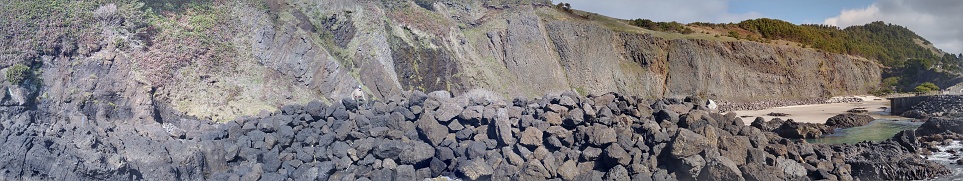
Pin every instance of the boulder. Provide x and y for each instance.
(599, 135)
(791, 168)
(720, 168)
(793, 130)
(553, 118)
(687, 143)
(907, 139)
(575, 117)
(432, 131)
(476, 169)
(918, 114)
(938, 125)
(388, 149)
(449, 109)
(531, 136)
(416, 152)
(761, 123)
(617, 173)
(614, 154)
(848, 120)
(568, 170)
(534, 170)
(503, 128)
(591, 153)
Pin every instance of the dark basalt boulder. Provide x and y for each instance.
(794, 130)
(763, 125)
(848, 120)
(888, 161)
(554, 137)
(939, 125)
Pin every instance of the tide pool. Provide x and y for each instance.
(877, 130)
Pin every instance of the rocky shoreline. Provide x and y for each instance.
(417, 135)
(726, 106)
(937, 106)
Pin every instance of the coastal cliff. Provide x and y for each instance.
(253, 56)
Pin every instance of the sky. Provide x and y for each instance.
(939, 21)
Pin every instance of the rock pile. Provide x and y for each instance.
(725, 106)
(792, 129)
(936, 106)
(418, 135)
(843, 100)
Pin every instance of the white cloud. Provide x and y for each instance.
(939, 21)
(685, 11)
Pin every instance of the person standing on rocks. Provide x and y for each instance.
(711, 105)
(358, 95)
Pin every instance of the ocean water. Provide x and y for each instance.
(876, 130)
(882, 129)
(948, 160)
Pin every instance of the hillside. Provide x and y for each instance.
(905, 56)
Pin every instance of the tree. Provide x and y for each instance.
(927, 87)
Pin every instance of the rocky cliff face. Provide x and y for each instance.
(291, 51)
(528, 49)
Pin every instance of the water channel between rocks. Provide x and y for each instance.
(877, 130)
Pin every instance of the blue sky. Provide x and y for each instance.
(797, 11)
(939, 21)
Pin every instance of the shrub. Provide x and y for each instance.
(927, 87)
(17, 73)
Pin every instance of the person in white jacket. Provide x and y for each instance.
(711, 105)
(358, 96)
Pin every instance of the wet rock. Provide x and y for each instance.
(938, 125)
(907, 139)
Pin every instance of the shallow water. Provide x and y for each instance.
(877, 130)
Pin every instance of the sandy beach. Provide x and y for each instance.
(818, 113)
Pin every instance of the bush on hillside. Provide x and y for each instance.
(17, 74)
(927, 87)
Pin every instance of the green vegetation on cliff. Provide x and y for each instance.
(672, 27)
(17, 73)
(927, 87)
(904, 53)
